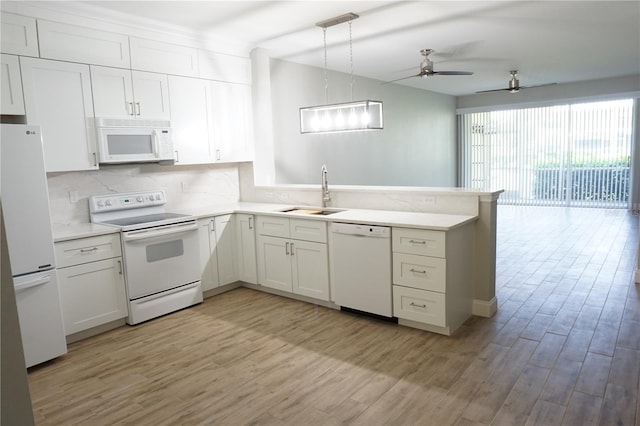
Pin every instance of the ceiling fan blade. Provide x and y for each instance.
(495, 90)
(453, 72)
(403, 78)
(506, 89)
(539, 85)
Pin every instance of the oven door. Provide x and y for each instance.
(161, 258)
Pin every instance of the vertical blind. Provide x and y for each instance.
(569, 155)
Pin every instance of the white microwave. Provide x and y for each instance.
(134, 141)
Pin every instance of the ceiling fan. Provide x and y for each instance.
(426, 68)
(514, 85)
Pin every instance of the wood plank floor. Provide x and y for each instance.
(563, 349)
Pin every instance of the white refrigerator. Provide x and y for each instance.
(25, 205)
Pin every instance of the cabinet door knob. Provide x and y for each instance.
(120, 266)
(286, 248)
(250, 225)
(292, 252)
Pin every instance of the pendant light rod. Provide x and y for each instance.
(337, 20)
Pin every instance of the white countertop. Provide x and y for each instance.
(81, 230)
(433, 221)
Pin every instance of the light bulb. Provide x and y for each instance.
(353, 118)
(339, 119)
(315, 122)
(365, 117)
(326, 120)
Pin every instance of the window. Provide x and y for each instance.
(570, 155)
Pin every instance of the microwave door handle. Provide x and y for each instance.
(156, 143)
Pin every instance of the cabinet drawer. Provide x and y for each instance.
(308, 230)
(419, 305)
(419, 241)
(426, 273)
(83, 250)
(274, 226)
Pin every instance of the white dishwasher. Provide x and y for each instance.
(361, 267)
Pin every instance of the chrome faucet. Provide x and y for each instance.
(326, 195)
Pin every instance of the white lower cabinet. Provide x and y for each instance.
(432, 283)
(246, 248)
(217, 251)
(225, 248)
(290, 264)
(208, 261)
(91, 280)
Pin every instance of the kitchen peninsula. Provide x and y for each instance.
(433, 209)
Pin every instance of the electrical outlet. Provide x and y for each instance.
(430, 200)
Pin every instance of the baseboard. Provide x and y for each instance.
(638, 276)
(483, 308)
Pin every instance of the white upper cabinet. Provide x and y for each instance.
(11, 86)
(120, 93)
(218, 66)
(78, 44)
(18, 35)
(191, 120)
(57, 97)
(233, 135)
(150, 55)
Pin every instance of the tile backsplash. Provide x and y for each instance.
(185, 187)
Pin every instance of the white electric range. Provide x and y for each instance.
(160, 252)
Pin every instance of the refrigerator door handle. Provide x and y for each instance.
(33, 283)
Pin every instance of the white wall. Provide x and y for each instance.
(416, 148)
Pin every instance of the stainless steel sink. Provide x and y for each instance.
(312, 211)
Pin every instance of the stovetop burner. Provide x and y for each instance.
(148, 219)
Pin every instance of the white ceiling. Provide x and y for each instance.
(548, 41)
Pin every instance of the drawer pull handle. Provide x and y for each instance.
(292, 252)
(417, 242)
(417, 306)
(88, 250)
(417, 271)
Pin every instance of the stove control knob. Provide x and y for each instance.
(139, 199)
(107, 203)
(158, 197)
(100, 203)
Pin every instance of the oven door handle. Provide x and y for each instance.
(147, 234)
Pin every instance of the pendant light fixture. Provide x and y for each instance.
(341, 117)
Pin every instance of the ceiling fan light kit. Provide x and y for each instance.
(346, 116)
